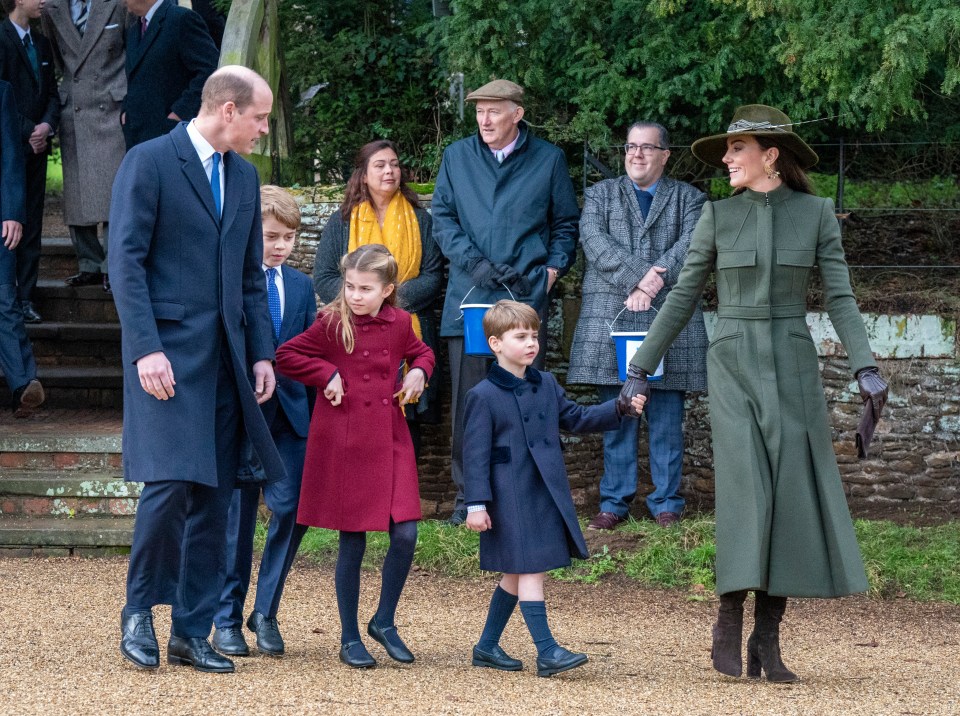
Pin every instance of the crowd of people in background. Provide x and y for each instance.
(226, 356)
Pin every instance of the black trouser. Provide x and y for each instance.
(28, 250)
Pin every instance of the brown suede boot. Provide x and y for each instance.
(728, 634)
(763, 646)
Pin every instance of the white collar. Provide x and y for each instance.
(203, 147)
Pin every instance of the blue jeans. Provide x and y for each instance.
(618, 486)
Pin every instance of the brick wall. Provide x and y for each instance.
(915, 455)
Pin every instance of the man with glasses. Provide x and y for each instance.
(635, 231)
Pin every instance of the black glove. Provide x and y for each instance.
(485, 275)
(636, 384)
(873, 390)
(514, 280)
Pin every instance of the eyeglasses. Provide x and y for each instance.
(645, 148)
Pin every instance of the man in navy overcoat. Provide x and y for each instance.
(185, 265)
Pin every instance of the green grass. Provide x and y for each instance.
(919, 563)
(55, 174)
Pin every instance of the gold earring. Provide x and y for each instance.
(771, 172)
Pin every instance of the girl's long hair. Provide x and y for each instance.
(372, 258)
(356, 191)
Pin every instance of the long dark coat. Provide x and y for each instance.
(513, 463)
(620, 248)
(360, 470)
(522, 213)
(782, 520)
(187, 282)
(93, 87)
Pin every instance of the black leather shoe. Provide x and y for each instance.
(84, 278)
(355, 655)
(390, 640)
(198, 653)
(27, 398)
(559, 659)
(495, 658)
(267, 630)
(138, 641)
(229, 641)
(107, 288)
(30, 314)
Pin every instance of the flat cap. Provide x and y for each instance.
(498, 90)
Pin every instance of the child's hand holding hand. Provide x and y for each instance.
(478, 521)
(638, 402)
(334, 390)
(413, 386)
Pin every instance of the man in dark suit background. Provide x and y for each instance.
(26, 62)
(293, 308)
(169, 56)
(185, 263)
(16, 355)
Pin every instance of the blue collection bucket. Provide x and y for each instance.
(627, 343)
(474, 341)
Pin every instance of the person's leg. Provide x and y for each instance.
(763, 646)
(241, 527)
(16, 354)
(664, 413)
(90, 254)
(465, 372)
(487, 652)
(347, 582)
(618, 485)
(28, 250)
(728, 634)
(396, 568)
(551, 657)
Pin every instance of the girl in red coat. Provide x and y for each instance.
(360, 473)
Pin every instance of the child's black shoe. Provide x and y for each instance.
(355, 655)
(495, 658)
(390, 640)
(559, 659)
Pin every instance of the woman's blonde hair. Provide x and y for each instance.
(372, 258)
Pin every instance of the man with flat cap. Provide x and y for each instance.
(504, 214)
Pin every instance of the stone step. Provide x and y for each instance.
(75, 344)
(77, 386)
(54, 536)
(62, 441)
(59, 303)
(66, 493)
(57, 257)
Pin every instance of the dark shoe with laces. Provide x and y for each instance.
(138, 641)
(30, 314)
(666, 519)
(27, 398)
(458, 517)
(495, 658)
(390, 640)
(557, 660)
(229, 641)
(84, 278)
(197, 652)
(107, 288)
(606, 521)
(355, 655)
(267, 630)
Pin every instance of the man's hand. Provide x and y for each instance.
(551, 278)
(156, 375)
(651, 283)
(12, 233)
(38, 138)
(638, 301)
(334, 390)
(264, 381)
(478, 521)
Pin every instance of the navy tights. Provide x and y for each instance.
(396, 567)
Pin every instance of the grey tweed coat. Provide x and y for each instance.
(620, 249)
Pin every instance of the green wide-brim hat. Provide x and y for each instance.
(755, 120)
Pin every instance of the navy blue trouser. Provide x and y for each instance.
(16, 354)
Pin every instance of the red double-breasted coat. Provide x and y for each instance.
(360, 469)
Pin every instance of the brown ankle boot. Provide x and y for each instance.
(763, 646)
(728, 634)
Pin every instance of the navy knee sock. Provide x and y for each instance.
(396, 567)
(347, 582)
(535, 615)
(502, 604)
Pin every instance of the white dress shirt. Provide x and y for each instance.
(206, 151)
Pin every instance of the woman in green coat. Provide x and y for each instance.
(783, 526)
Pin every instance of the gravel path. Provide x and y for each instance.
(649, 654)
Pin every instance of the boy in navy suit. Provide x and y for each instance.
(293, 308)
(516, 486)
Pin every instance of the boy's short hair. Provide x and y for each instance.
(506, 315)
(279, 204)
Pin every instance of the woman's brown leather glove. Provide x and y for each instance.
(873, 390)
(636, 384)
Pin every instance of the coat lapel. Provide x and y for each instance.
(96, 20)
(193, 169)
(59, 11)
(629, 199)
(664, 196)
(153, 29)
(231, 190)
(22, 51)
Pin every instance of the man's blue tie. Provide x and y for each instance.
(645, 198)
(273, 301)
(215, 182)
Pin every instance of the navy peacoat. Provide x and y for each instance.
(513, 463)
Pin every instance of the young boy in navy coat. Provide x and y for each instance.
(293, 308)
(516, 486)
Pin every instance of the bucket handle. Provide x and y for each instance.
(464, 299)
(610, 323)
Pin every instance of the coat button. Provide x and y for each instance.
(526, 418)
(534, 389)
(76, 109)
(367, 403)
(519, 391)
(366, 353)
(386, 352)
(542, 416)
(386, 401)
(531, 443)
(383, 376)
(366, 377)
(383, 328)
(366, 328)
(546, 441)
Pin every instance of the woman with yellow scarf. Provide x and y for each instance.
(379, 208)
